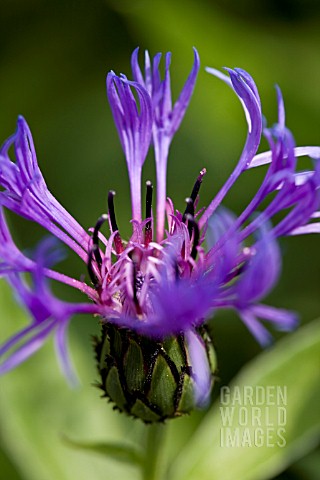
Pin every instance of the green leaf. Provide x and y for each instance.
(293, 363)
(8, 470)
(117, 451)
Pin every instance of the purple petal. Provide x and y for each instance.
(261, 272)
(174, 306)
(266, 157)
(165, 104)
(281, 110)
(180, 305)
(282, 320)
(167, 122)
(200, 368)
(217, 73)
(27, 349)
(25, 192)
(223, 247)
(280, 172)
(246, 93)
(304, 199)
(306, 229)
(16, 339)
(47, 312)
(183, 101)
(297, 192)
(12, 260)
(249, 80)
(134, 127)
(136, 71)
(256, 328)
(167, 119)
(63, 356)
(220, 223)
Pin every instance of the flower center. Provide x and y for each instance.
(127, 272)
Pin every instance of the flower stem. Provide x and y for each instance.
(153, 467)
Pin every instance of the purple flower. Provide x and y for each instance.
(166, 118)
(170, 279)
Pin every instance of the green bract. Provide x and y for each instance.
(145, 378)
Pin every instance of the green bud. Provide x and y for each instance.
(145, 378)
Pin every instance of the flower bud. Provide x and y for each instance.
(145, 378)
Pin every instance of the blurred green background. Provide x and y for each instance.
(54, 56)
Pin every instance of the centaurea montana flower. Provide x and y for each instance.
(154, 292)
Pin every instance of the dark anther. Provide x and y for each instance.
(113, 222)
(196, 234)
(149, 199)
(148, 228)
(95, 238)
(92, 275)
(188, 211)
(189, 208)
(197, 185)
(192, 199)
(112, 215)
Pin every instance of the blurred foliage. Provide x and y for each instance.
(54, 56)
(290, 359)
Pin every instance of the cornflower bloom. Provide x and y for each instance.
(154, 292)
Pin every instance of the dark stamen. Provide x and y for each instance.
(189, 208)
(197, 185)
(192, 199)
(113, 222)
(148, 228)
(92, 275)
(95, 238)
(188, 211)
(112, 215)
(196, 234)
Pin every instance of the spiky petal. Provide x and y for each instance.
(134, 125)
(167, 118)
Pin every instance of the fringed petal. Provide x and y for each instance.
(265, 158)
(256, 328)
(167, 119)
(261, 271)
(25, 191)
(134, 125)
(282, 320)
(246, 91)
(47, 313)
